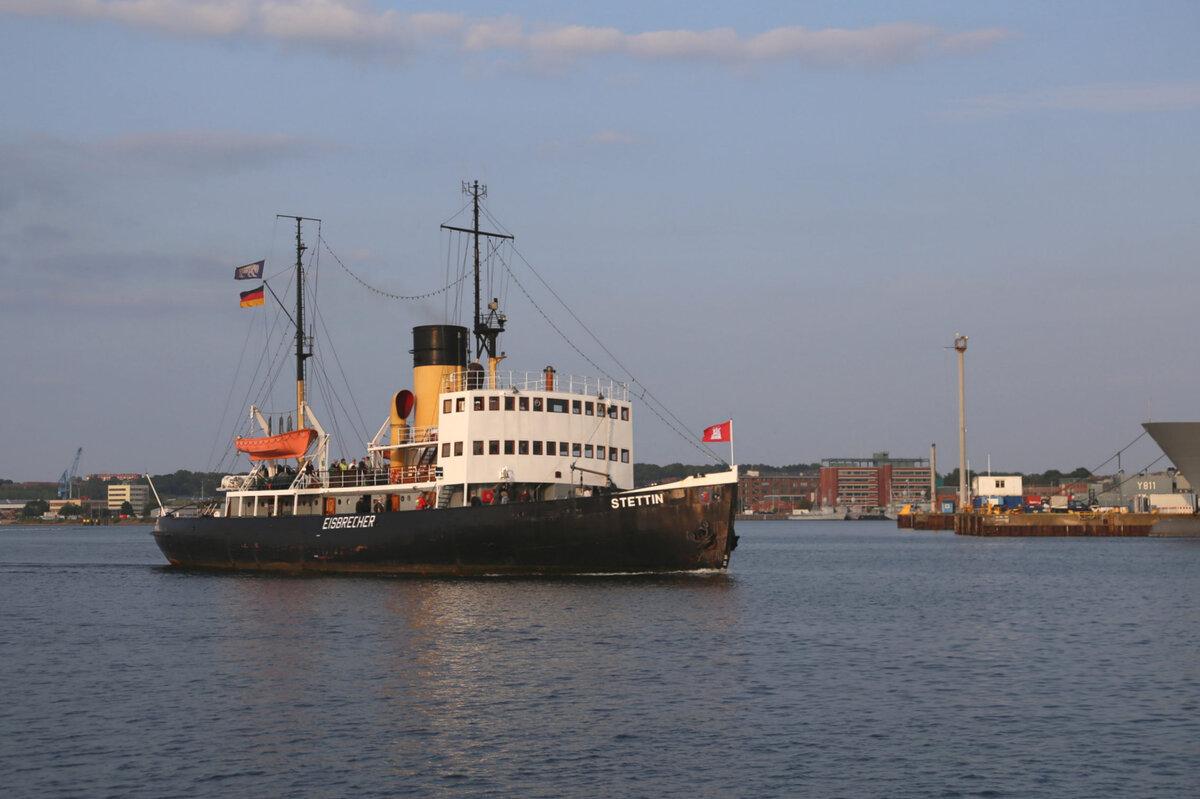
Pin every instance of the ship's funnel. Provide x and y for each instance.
(438, 350)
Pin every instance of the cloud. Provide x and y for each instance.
(204, 151)
(100, 281)
(1111, 98)
(357, 29)
(49, 164)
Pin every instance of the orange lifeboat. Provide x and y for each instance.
(292, 444)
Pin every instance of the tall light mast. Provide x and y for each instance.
(960, 346)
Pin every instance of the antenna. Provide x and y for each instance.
(487, 327)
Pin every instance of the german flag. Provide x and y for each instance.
(252, 297)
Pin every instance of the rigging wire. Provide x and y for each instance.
(389, 294)
(653, 404)
(1141, 472)
(353, 396)
(1118, 454)
(656, 406)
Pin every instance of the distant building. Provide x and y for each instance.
(776, 493)
(85, 506)
(876, 482)
(1165, 491)
(997, 485)
(136, 495)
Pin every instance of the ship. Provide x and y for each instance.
(474, 471)
(1180, 442)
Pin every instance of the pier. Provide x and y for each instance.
(1084, 525)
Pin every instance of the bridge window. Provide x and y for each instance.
(523, 403)
(556, 405)
(537, 404)
(576, 406)
(493, 403)
(510, 403)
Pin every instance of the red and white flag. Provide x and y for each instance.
(719, 432)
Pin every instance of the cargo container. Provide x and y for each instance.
(1173, 503)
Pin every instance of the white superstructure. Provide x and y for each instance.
(536, 428)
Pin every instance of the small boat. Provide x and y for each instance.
(292, 444)
(823, 514)
(474, 470)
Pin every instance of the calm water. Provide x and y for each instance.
(835, 659)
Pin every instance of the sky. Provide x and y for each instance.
(779, 213)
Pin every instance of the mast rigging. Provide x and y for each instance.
(487, 328)
(301, 353)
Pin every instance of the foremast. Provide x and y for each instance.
(303, 344)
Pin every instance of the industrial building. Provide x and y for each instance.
(776, 493)
(137, 496)
(876, 482)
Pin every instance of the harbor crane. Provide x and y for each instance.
(64, 482)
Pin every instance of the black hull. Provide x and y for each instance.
(675, 530)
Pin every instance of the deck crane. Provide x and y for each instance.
(64, 482)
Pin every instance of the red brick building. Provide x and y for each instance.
(876, 482)
(776, 493)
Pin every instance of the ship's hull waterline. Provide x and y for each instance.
(625, 533)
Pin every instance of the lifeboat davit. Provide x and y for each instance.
(291, 444)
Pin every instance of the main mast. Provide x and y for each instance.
(487, 328)
(301, 353)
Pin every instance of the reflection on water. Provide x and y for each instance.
(488, 672)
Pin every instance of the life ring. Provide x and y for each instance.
(487, 496)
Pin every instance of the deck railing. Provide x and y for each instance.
(537, 381)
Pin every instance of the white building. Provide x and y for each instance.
(136, 495)
(997, 485)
